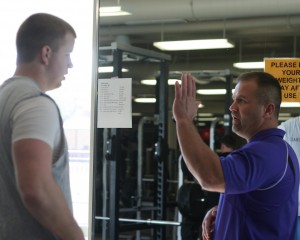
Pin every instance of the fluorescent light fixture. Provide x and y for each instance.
(284, 115)
(148, 81)
(205, 114)
(173, 81)
(153, 81)
(112, 11)
(193, 44)
(211, 91)
(283, 118)
(145, 100)
(208, 119)
(153, 100)
(249, 65)
(289, 104)
(109, 69)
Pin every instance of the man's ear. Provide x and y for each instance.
(45, 53)
(270, 109)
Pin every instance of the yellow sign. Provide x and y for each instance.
(287, 72)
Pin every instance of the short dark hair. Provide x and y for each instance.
(38, 30)
(269, 89)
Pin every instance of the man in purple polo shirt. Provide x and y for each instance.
(258, 182)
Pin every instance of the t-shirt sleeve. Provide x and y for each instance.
(249, 168)
(36, 118)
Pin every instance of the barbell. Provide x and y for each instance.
(148, 221)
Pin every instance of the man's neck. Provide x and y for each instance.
(31, 71)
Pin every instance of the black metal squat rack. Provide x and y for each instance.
(107, 144)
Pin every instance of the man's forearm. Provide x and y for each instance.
(201, 161)
(49, 207)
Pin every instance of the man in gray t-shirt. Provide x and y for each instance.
(35, 196)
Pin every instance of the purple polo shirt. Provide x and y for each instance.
(261, 191)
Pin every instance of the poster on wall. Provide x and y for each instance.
(287, 72)
(114, 103)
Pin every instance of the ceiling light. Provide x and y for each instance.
(153, 81)
(211, 91)
(284, 115)
(205, 114)
(193, 44)
(249, 65)
(145, 100)
(112, 11)
(153, 100)
(283, 118)
(148, 81)
(208, 119)
(173, 81)
(109, 69)
(289, 104)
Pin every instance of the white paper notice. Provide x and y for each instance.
(114, 103)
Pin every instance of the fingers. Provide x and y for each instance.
(177, 90)
(208, 223)
(184, 84)
(185, 105)
(205, 230)
(191, 89)
(188, 85)
(214, 212)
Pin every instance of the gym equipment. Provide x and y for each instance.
(109, 156)
(193, 202)
(148, 221)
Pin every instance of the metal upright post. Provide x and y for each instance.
(161, 150)
(140, 168)
(113, 155)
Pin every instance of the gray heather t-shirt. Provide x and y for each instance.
(26, 112)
